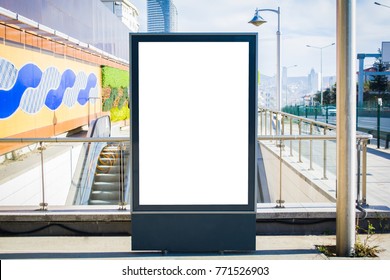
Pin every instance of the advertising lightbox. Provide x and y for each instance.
(193, 122)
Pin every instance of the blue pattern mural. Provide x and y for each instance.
(30, 89)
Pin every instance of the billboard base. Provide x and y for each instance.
(183, 232)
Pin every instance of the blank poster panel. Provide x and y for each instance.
(193, 123)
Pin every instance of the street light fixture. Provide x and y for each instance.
(287, 80)
(379, 4)
(257, 20)
(320, 48)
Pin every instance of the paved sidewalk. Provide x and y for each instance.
(267, 248)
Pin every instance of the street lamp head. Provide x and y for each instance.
(257, 19)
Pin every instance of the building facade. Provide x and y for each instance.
(51, 58)
(125, 11)
(162, 16)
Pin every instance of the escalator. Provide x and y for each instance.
(106, 187)
(102, 172)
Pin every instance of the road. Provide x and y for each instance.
(364, 122)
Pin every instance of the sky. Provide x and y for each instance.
(303, 22)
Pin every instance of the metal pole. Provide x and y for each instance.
(346, 127)
(322, 97)
(358, 155)
(278, 77)
(43, 204)
(291, 121)
(311, 147)
(324, 157)
(261, 122)
(378, 126)
(364, 173)
(280, 201)
(300, 141)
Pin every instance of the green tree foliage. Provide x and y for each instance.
(379, 83)
(328, 96)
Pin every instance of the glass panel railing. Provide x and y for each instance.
(308, 147)
(64, 171)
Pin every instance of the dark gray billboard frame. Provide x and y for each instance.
(194, 226)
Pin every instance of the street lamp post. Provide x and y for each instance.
(257, 20)
(379, 4)
(320, 48)
(287, 80)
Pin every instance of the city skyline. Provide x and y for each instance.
(302, 23)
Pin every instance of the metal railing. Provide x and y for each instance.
(272, 127)
(44, 147)
(288, 132)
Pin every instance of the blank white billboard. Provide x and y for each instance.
(193, 123)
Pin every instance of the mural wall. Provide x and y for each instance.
(44, 94)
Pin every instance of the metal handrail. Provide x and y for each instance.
(64, 140)
(318, 123)
(307, 137)
(361, 139)
(43, 204)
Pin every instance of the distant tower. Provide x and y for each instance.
(162, 16)
(313, 81)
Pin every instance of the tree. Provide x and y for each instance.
(328, 96)
(379, 83)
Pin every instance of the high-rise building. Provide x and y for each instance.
(313, 82)
(162, 16)
(125, 11)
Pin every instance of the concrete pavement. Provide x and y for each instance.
(281, 247)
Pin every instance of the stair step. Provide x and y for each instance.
(107, 177)
(103, 202)
(105, 186)
(108, 161)
(104, 195)
(107, 169)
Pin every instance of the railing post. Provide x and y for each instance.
(311, 147)
(291, 122)
(265, 122)
(378, 126)
(122, 202)
(270, 122)
(300, 141)
(261, 122)
(358, 155)
(43, 204)
(364, 173)
(324, 157)
(279, 202)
